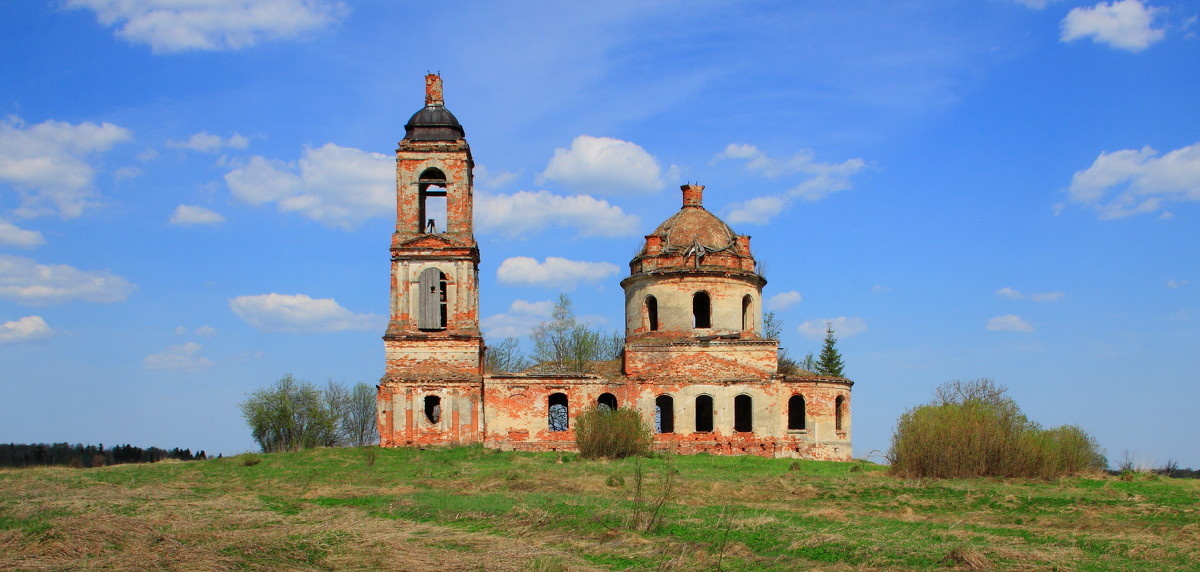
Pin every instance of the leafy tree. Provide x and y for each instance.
(359, 424)
(809, 363)
(562, 344)
(288, 416)
(830, 362)
(505, 357)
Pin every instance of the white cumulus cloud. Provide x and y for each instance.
(604, 166)
(821, 179)
(1125, 25)
(13, 235)
(182, 357)
(336, 186)
(485, 179)
(1008, 323)
(27, 329)
(520, 319)
(554, 272)
(205, 142)
(182, 25)
(843, 327)
(1013, 294)
(527, 212)
(25, 281)
(784, 300)
(47, 163)
(298, 313)
(191, 214)
(1131, 181)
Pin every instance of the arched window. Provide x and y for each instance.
(704, 414)
(701, 310)
(431, 201)
(796, 412)
(652, 313)
(664, 414)
(839, 407)
(747, 320)
(607, 401)
(433, 409)
(432, 300)
(558, 418)
(743, 414)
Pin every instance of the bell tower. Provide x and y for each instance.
(431, 389)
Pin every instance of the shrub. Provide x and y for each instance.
(973, 429)
(613, 433)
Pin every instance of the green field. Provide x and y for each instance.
(475, 509)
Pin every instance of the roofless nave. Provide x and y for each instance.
(695, 358)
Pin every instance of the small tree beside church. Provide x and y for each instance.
(830, 362)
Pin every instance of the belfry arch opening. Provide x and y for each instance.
(431, 201)
(432, 314)
(701, 310)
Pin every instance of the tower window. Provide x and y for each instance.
(664, 414)
(652, 313)
(558, 415)
(431, 201)
(433, 409)
(743, 414)
(747, 321)
(796, 412)
(607, 401)
(432, 300)
(704, 414)
(701, 310)
(839, 407)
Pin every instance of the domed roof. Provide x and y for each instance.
(695, 225)
(433, 123)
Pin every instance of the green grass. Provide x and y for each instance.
(476, 508)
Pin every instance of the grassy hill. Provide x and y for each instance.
(472, 509)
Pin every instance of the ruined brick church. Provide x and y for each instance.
(695, 361)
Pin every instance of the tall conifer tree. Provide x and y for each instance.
(831, 361)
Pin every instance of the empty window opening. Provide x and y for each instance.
(433, 409)
(747, 321)
(432, 299)
(743, 414)
(704, 414)
(558, 412)
(607, 401)
(839, 407)
(796, 412)
(431, 201)
(652, 313)
(664, 414)
(701, 310)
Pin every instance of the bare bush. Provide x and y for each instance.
(612, 433)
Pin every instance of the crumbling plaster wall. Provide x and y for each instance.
(674, 292)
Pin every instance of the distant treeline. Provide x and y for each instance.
(87, 456)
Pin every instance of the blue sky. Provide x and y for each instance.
(196, 197)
